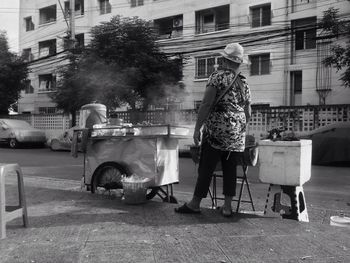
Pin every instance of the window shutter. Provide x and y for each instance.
(201, 68)
(310, 41)
(266, 15)
(254, 67)
(256, 17)
(210, 66)
(265, 64)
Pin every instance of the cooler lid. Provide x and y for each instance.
(284, 143)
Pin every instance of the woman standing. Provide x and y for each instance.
(223, 114)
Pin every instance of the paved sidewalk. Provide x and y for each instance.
(67, 225)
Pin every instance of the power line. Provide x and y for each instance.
(120, 5)
(284, 32)
(231, 26)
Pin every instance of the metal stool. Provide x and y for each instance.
(250, 158)
(8, 213)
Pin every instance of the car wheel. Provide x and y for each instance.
(54, 145)
(13, 143)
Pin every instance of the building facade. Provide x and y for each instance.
(283, 44)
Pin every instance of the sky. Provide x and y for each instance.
(9, 21)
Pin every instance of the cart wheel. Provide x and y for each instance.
(152, 192)
(109, 176)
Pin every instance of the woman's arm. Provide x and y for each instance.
(248, 111)
(204, 110)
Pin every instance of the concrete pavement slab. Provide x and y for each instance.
(67, 225)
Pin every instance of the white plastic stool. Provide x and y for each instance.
(8, 213)
(296, 210)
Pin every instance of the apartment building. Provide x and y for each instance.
(282, 43)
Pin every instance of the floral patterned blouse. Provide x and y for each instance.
(226, 123)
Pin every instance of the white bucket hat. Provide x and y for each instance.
(233, 52)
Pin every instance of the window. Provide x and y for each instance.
(304, 33)
(260, 64)
(135, 3)
(79, 8)
(27, 54)
(47, 14)
(301, 5)
(28, 88)
(169, 27)
(261, 15)
(47, 48)
(297, 81)
(206, 65)
(47, 82)
(213, 19)
(47, 110)
(105, 7)
(29, 23)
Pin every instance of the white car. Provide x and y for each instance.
(15, 132)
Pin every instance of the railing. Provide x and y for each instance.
(300, 119)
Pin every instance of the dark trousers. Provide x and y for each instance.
(209, 159)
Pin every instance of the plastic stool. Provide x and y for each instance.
(8, 213)
(296, 210)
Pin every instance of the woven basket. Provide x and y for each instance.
(135, 192)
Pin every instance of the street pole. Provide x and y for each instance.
(72, 22)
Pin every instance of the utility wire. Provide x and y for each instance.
(230, 26)
(121, 5)
(283, 32)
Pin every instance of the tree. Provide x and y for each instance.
(340, 54)
(13, 73)
(84, 80)
(122, 64)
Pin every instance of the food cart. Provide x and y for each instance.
(111, 152)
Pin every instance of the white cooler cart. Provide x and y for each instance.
(146, 151)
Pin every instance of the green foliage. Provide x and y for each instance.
(13, 72)
(340, 54)
(84, 80)
(122, 64)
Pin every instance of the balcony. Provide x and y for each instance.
(47, 14)
(169, 27)
(47, 48)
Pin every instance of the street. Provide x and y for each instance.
(328, 190)
(68, 225)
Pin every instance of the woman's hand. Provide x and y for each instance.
(196, 137)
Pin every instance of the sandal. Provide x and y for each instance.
(184, 209)
(226, 213)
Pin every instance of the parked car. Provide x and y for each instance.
(15, 132)
(330, 144)
(63, 142)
